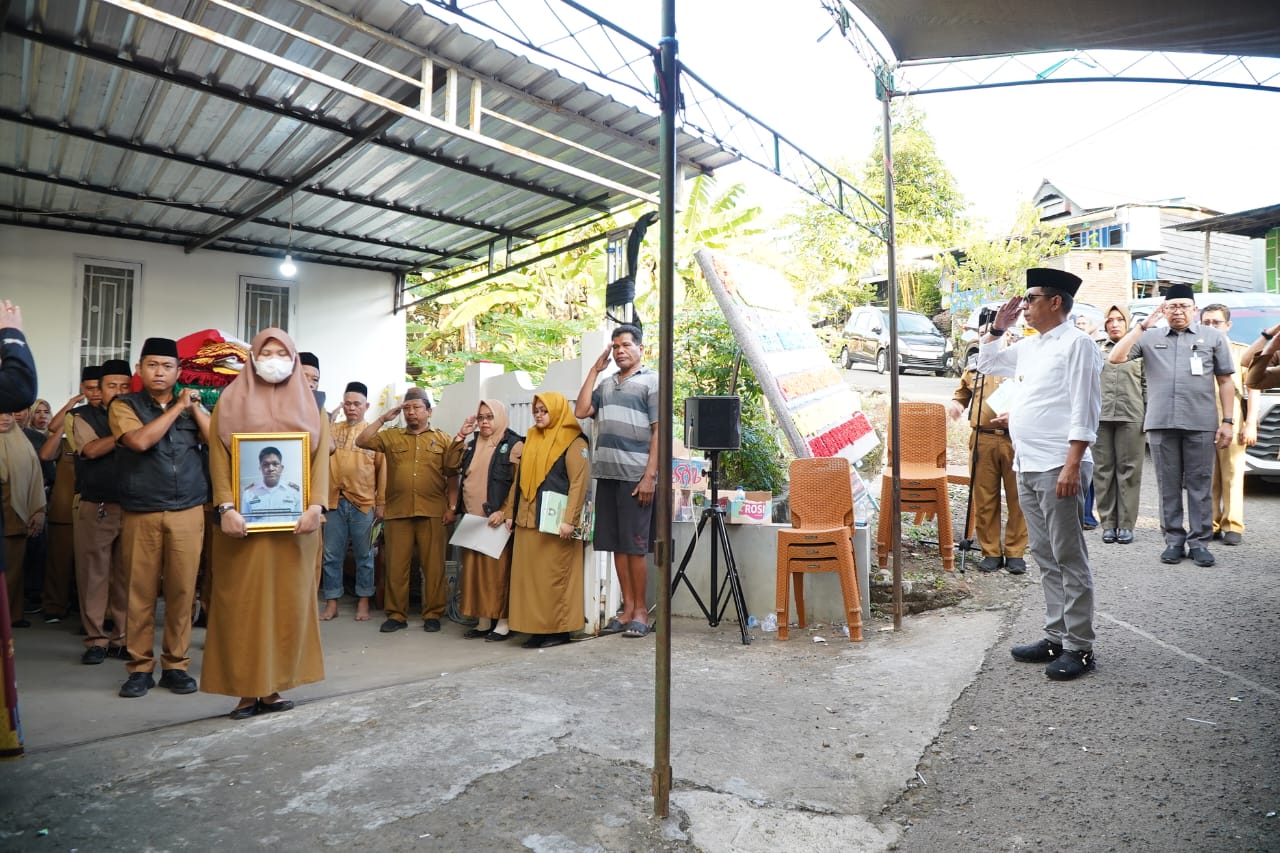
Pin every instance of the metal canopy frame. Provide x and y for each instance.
(249, 130)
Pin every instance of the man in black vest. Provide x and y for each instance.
(100, 572)
(163, 487)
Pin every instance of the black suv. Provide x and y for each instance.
(920, 345)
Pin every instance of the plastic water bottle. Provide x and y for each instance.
(861, 514)
(739, 495)
(752, 622)
(770, 623)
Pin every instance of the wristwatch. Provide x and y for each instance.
(1266, 335)
(222, 509)
(1231, 421)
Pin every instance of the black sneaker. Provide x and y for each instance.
(137, 685)
(1015, 565)
(50, 619)
(118, 652)
(1172, 555)
(1041, 652)
(94, 655)
(178, 681)
(431, 625)
(1201, 557)
(1070, 663)
(989, 564)
(392, 625)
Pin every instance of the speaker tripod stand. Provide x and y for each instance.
(718, 601)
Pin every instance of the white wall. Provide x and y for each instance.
(342, 315)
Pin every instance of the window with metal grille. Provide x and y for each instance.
(108, 291)
(264, 304)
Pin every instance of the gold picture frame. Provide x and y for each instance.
(268, 506)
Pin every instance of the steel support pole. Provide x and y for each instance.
(890, 242)
(668, 82)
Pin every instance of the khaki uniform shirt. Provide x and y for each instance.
(970, 384)
(418, 466)
(356, 474)
(1124, 389)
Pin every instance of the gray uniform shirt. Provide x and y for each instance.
(1124, 389)
(1178, 397)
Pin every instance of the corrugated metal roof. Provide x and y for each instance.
(124, 126)
(1249, 223)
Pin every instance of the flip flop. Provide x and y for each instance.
(614, 627)
(636, 629)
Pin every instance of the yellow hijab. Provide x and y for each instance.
(543, 447)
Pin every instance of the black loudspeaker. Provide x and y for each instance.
(713, 423)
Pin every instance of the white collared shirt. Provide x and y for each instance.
(1059, 397)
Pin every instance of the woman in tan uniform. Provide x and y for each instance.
(264, 630)
(24, 505)
(488, 472)
(546, 568)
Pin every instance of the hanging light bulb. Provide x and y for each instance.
(287, 269)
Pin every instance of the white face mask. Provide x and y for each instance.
(273, 370)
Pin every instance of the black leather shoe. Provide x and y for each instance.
(1172, 555)
(137, 685)
(1201, 557)
(178, 681)
(1015, 565)
(475, 634)
(392, 625)
(1232, 538)
(275, 707)
(989, 564)
(244, 713)
(1124, 536)
(1217, 534)
(94, 655)
(534, 641)
(1039, 652)
(1108, 536)
(1070, 664)
(431, 625)
(553, 640)
(495, 637)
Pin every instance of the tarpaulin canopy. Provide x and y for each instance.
(931, 29)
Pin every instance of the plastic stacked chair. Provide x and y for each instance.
(820, 539)
(923, 460)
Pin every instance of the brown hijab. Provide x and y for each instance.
(251, 404)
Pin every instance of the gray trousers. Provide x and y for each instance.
(1117, 473)
(1055, 528)
(1184, 460)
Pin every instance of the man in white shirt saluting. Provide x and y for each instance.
(1052, 424)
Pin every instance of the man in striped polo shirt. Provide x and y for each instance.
(625, 408)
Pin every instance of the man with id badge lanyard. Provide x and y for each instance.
(1186, 364)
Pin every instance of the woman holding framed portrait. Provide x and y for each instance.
(269, 465)
(546, 566)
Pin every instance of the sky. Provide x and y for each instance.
(1100, 143)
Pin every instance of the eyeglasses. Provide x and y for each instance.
(1032, 297)
(1178, 306)
(485, 417)
(1213, 323)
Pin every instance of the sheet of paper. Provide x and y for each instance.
(474, 533)
(1004, 397)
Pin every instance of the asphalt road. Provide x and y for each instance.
(1173, 744)
(913, 387)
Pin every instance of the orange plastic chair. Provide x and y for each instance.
(821, 539)
(923, 482)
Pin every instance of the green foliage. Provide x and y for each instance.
(705, 351)
(927, 199)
